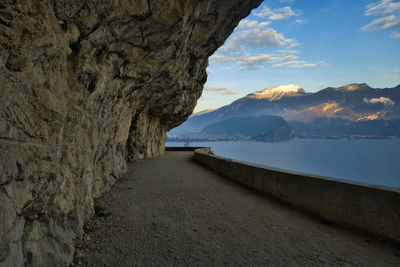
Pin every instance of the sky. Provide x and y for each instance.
(311, 43)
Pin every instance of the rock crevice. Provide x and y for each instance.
(86, 85)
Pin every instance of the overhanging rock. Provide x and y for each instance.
(84, 86)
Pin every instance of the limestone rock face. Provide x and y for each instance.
(86, 85)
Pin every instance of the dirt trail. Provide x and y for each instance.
(170, 211)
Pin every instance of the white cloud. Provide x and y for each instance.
(299, 64)
(220, 90)
(278, 13)
(257, 62)
(247, 46)
(396, 70)
(382, 7)
(383, 23)
(265, 23)
(300, 21)
(395, 35)
(257, 38)
(252, 62)
(247, 23)
(288, 51)
(387, 10)
(384, 100)
(253, 34)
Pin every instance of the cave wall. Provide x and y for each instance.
(86, 85)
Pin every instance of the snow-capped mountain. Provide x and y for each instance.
(276, 93)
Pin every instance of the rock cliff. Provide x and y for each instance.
(86, 85)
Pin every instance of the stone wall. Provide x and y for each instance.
(86, 85)
(373, 209)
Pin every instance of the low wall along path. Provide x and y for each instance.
(375, 209)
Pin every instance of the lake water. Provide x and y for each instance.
(373, 161)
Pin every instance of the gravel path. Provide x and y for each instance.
(170, 211)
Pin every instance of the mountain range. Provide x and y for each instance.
(353, 110)
(260, 128)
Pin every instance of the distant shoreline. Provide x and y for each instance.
(222, 139)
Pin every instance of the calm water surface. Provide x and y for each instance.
(371, 161)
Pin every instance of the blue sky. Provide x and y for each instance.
(310, 43)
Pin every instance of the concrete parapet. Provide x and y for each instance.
(375, 209)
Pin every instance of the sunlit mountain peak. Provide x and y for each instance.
(275, 93)
(354, 86)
